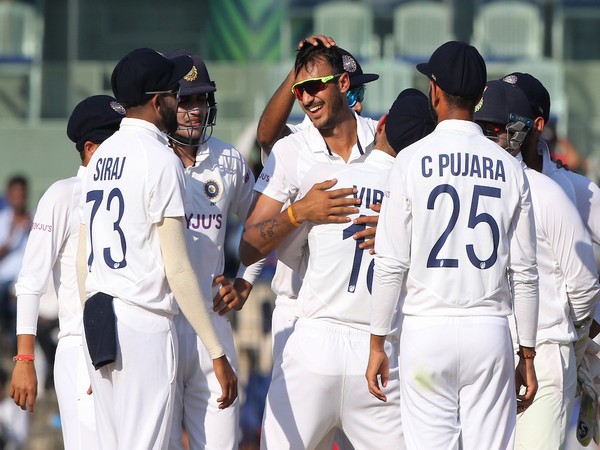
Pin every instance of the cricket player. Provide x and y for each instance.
(457, 212)
(50, 254)
(336, 135)
(568, 280)
(321, 376)
(217, 181)
(132, 250)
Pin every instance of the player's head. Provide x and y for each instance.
(534, 90)
(458, 70)
(358, 79)
(504, 115)
(197, 110)
(408, 120)
(321, 84)
(93, 121)
(145, 79)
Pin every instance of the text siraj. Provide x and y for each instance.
(109, 168)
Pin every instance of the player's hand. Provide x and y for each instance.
(23, 385)
(368, 234)
(378, 367)
(228, 381)
(315, 39)
(230, 296)
(89, 391)
(525, 377)
(321, 205)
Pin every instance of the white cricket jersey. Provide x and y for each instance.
(457, 212)
(289, 162)
(568, 283)
(219, 182)
(581, 190)
(339, 275)
(51, 251)
(133, 181)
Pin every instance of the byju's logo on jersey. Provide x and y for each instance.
(212, 190)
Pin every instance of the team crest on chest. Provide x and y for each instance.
(212, 190)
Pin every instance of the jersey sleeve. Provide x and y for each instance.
(392, 253)
(522, 268)
(47, 237)
(275, 180)
(166, 195)
(572, 247)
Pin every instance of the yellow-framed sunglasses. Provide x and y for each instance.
(312, 85)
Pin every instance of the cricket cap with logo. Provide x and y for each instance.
(500, 100)
(197, 80)
(354, 70)
(457, 68)
(409, 119)
(536, 93)
(94, 119)
(145, 70)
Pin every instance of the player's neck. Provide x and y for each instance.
(186, 153)
(342, 137)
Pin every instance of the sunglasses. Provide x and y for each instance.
(355, 95)
(312, 86)
(492, 131)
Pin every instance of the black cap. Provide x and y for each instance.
(536, 93)
(146, 70)
(500, 99)
(457, 68)
(351, 65)
(197, 80)
(409, 119)
(94, 119)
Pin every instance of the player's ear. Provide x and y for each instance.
(344, 82)
(381, 124)
(538, 124)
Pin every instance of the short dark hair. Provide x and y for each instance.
(455, 101)
(309, 54)
(17, 179)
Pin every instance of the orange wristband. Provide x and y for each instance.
(291, 216)
(23, 357)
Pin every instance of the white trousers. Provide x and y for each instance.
(71, 382)
(545, 423)
(133, 396)
(198, 389)
(320, 386)
(457, 383)
(282, 324)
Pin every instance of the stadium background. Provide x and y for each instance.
(66, 50)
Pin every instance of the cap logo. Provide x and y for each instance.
(192, 74)
(349, 63)
(512, 79)
(479, 105)
(116, 106)
(212, 190)
(433, 77)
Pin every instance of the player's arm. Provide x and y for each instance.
(272, 123)
(23, 385)
(523, 275)
(267, 226)
(185, 287)
(41, 253)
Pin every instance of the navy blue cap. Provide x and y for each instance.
(536, 93)
(357, 76)
(94, 119)
(197, 80)
(457, 68)
(145, 70)
(499, 101)
(409, 119)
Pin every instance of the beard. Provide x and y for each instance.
(169, 118)
(432, 110)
